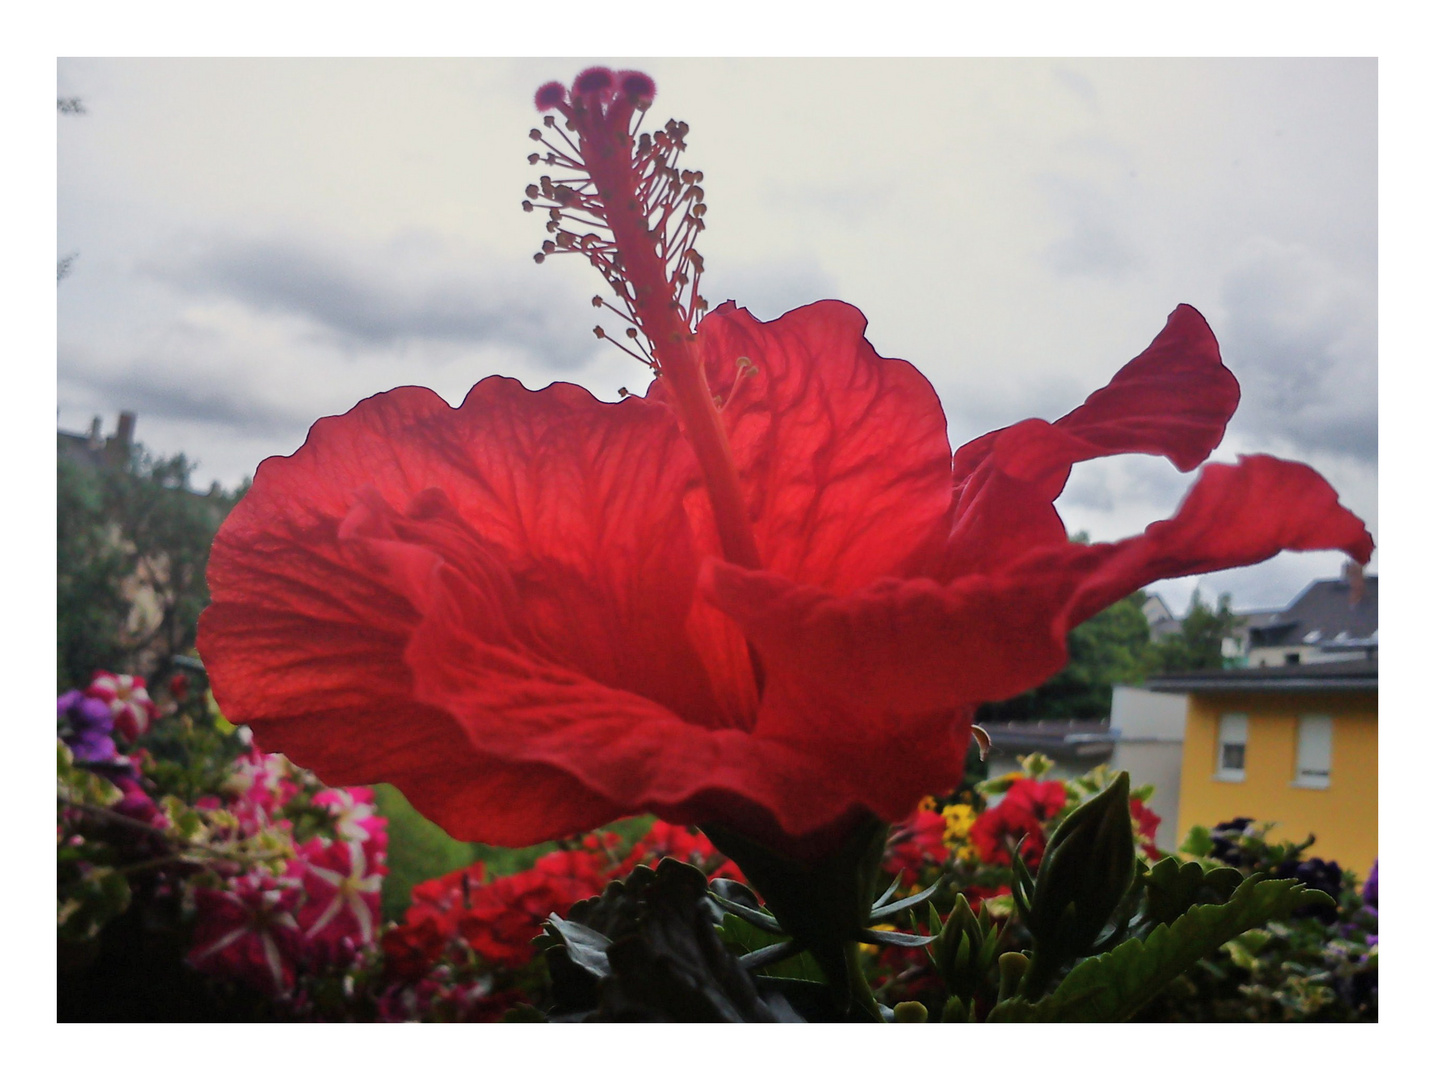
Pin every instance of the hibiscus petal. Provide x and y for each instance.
(843, 453)
(561, 516)
(1173, 400)
(1235, 515)
(919, 646)
(904, 647)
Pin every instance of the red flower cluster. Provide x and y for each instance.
(664, 841)
(498, 919)
(1146, 821)
(540, 612)
(1021, 816)
(915, 846)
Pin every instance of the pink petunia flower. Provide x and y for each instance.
(355, 816)
(128, 700)
(341, 886)
(248, 932)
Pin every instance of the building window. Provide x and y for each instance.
(1231, 747)
(1292, 658)
(1312, 752)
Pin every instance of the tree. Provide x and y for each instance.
(1109, 648)
(133, 544)
(1198, 645)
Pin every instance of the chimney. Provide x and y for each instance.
(117, 446)
(1354, 576)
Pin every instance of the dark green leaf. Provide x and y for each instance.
(1114, 986)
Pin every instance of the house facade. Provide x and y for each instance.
(1330, 622)
(1295, 744)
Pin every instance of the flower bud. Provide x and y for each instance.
(909, 1012)
(1087, 869)
(965, 951)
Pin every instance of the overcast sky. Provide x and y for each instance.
(264, 242)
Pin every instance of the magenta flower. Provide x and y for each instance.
(354, 815)
(341, 885)
(128, 700)
(248, 932)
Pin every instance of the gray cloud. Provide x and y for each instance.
(415, 289)
(1095, 240)
(1122, 484)
(164, 384)
(1301, 338)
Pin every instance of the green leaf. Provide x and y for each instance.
(586, 947)
(884, 913)
(1197, 842)
(1172, 887)
(746, 938)
(1116, 985)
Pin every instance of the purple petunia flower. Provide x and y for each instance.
(86, 725)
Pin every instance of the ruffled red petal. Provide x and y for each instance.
(922, 646)
(547, 526)
(1173, 400)
(843, 453)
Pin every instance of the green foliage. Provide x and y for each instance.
(1114, 647)
(418, 850)
(90, 566)
(1116, 985)
(1198, 646)
(744, 938)
(1317, 965)
(133, 541)
(1085, 873)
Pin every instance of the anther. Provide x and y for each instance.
(549, 96)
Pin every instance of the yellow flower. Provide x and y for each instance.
(959, 820)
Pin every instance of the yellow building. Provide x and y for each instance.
(1295, 745)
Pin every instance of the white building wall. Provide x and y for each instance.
(1151, 730)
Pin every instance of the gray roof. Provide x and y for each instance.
(1323, 615)
(1347, 675)
(1082, 738)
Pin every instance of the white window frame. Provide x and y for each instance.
(1233, 729)
(1314, 746)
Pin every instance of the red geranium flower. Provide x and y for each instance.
(504, 916)
(1145, 821)
(665, 841)
(539, 612)
(915, 846)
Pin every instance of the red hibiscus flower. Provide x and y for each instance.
(540, 612)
